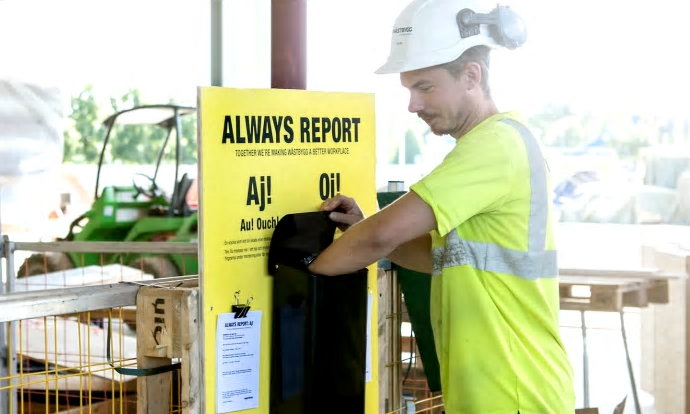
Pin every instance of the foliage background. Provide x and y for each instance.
(130, 144)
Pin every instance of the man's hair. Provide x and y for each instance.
(477, 54)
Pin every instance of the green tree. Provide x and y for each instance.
(82, 137)
(188, 141)
(411, 148)
(133, 144)
(128, 144)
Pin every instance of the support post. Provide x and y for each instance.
(216, 42)
(288, 44)
(8, 353)
(631, 371)
(585, 360)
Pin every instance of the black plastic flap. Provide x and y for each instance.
(299, 235)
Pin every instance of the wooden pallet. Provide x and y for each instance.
(611, 289)
(167, 328)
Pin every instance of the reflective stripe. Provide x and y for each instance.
(494, 258)
(536, 262)
(538, 201)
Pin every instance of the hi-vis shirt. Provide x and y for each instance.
(494, 292)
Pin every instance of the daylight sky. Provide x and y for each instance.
(611, 57)
(606, 53)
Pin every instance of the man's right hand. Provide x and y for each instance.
(344, 210)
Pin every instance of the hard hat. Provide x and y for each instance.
(432, 32)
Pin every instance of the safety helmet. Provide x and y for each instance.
(432, 32)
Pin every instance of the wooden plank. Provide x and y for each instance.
(635, 273)
(53, 302)
(664, 347)
(637, 298)
(686, 377)
(109, 247)
(593, 280)
(656, 291)
(600, 298)
(394, 332)
(190, 400)
(384, 341)
(50, 302)
(158, 317)
(167, 327)
(404, 314)
(124, 313)
(602, 294)
(669, 257)
(606, 298)
(153, 391)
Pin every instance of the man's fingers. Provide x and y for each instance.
(343, 210)
(344, 218)
(338, 202)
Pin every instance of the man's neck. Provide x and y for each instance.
(483, 111)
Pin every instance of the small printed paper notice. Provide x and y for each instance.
(238, 342)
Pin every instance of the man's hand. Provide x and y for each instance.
(344, 210)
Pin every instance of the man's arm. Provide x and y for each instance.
(408, 220)
(414, 255)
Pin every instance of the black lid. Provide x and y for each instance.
(299, 235)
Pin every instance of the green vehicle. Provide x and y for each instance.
(140, 211)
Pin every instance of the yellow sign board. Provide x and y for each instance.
(265, 153)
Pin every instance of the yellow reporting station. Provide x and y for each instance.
(265, 153)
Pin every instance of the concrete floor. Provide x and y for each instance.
(609, 380)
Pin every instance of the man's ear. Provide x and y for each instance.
(473, 73)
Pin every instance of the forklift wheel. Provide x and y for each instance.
(42, 263)
(158, 266)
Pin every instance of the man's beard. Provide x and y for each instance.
(428, 119)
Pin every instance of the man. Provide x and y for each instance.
(479, 222)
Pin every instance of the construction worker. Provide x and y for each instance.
(479, 223)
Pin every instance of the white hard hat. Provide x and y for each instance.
(432, 32)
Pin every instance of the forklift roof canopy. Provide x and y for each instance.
(148, 114)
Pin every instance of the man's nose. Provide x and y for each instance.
(415, 104)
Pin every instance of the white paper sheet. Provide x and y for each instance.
(238, 342)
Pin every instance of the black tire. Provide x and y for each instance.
(158, 266)
(42, 263)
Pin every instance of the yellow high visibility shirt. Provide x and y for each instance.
(494, 293)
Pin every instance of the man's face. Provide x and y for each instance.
(439, 98)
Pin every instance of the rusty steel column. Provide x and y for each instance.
(289, 44)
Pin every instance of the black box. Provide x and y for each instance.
(318, 342)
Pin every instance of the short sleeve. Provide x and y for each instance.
(475, 177)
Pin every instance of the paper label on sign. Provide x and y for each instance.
(238, 342)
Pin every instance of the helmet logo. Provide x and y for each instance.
(402, 30)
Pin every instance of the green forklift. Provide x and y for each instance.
(136, 212)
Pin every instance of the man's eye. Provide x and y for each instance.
(426, 88)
